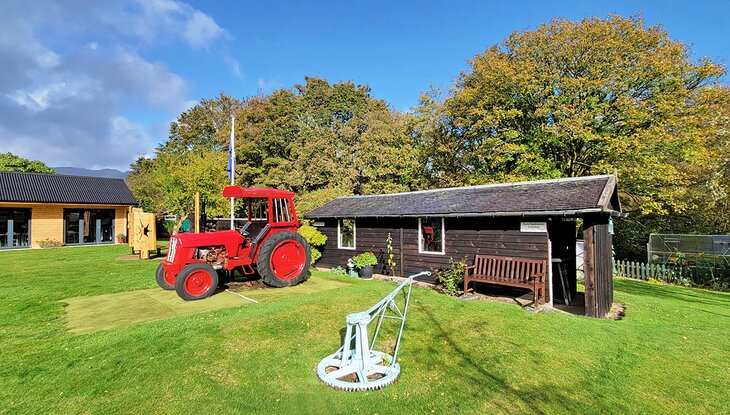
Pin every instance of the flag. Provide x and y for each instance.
(231, 153)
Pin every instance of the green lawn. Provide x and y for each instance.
(671, 354)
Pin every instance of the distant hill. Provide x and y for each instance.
(79, 171)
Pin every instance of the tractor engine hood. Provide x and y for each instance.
(232, 241)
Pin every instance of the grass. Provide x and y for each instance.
(669, 355)
(88, 314)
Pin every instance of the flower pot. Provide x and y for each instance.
(366, 272)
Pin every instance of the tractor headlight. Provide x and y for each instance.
(171, 251)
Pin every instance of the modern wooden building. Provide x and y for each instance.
(534, 220)
(72, 210)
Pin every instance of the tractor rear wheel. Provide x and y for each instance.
(284, 259)
(164, 280)
(196, 281)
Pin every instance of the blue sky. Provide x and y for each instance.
(95, 84)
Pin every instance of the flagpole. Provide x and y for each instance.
(232, 164)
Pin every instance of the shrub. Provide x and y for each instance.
(315, 238)
(169, 226)
(391, 258)
(365, 259)
(452, 277)
(49, 243)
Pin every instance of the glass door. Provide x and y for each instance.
(88, 226)
(5, 239)
(14, 228)
(72, 220)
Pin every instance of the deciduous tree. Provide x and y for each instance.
(11, 162)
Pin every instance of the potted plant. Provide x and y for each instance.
(121, 238)
(364, 263)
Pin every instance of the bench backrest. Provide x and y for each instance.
(508, 268)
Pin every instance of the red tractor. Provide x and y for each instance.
(267, 242)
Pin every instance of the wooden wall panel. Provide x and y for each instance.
(464, 239)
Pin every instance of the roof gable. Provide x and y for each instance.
(59, 188)
(565, 197)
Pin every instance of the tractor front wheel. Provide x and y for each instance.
(164, 280)
(196, 281)
(284, 259)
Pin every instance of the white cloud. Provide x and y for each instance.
(152, 20)
(234, 65)
(42, 97)
(201, 30)
(69, 74)
(236, 69)
(267, 85)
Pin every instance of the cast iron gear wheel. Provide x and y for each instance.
(388, 374)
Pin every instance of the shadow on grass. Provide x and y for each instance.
(472, 371)
(669, 292)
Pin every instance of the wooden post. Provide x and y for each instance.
(598, 270)
(197, 212)
(400, 240)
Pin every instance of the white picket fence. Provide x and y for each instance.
(643, 271)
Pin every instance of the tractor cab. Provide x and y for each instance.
(264, 209)
(265, 242)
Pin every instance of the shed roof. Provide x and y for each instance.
(59, 188)
(575, 196)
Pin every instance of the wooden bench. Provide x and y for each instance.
(510, 271)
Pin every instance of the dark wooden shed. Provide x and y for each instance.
(535, 219)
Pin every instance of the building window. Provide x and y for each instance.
(14, 228)
(431, 236)
(88, 226)
(346, 234)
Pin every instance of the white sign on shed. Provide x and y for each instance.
(533, 227)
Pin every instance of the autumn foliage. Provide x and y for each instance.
(566, 99)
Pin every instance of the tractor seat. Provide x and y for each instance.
(243, 229)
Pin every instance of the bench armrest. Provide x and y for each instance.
(469, 268)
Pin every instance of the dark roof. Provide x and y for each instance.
(559, 197)
(59, 188)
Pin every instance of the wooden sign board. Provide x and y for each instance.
(142, 232)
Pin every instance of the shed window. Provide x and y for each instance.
(346, 233)
(431, 234)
